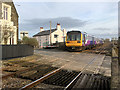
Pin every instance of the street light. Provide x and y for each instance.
(17, 4)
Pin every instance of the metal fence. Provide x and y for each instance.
(12, 51)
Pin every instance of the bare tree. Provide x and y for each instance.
(7, 33)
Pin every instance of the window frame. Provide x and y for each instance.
(6, 12)
(55, 36)
(73, 37)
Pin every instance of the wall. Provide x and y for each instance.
(0, 10)
(14, 51)
(43, 40)
(14, 16)
(0, 18)
(60, 36)
(13, 19)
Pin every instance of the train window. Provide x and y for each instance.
(77, 37)
(73, 37)
(69, 37)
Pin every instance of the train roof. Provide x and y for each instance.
(84, 33)
(74, 31)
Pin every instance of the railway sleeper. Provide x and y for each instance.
(66, 80)
(88, 85)
(92, 81)
(98, 82)
(54, 78)
(78, 81)
(61, 78)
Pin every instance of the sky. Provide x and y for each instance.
(95, 18)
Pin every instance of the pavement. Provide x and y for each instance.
(76, 60)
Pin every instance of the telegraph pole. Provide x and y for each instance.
(50, 33)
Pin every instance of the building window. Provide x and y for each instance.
(55, 36)
(5, 13)
(12, 40)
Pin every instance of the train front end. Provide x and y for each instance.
(74, 40)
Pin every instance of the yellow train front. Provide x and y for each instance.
(74, 40)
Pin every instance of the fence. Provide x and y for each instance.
(12, 51)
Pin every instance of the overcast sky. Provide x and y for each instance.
(96, 18)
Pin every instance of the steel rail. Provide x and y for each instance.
(84, 68)
(30, 85)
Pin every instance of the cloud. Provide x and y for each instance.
(66, 0)
(96, 17)
(65, 22)
(101, 29)
(105, 35)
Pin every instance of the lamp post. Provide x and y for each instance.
(50, 33)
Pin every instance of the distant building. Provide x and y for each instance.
(8, 23)
(114, 40)
(57, 36)
(23, 34)
(107, 40)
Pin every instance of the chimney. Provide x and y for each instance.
(58, 26)
(41, 29)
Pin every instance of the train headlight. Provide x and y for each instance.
(78, 41)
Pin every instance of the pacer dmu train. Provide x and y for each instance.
(76, 40)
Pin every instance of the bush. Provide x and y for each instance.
(30, 41)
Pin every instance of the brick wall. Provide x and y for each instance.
(0, 10)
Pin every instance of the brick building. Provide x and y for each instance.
(8, 23)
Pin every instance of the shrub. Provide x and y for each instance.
(30, 41)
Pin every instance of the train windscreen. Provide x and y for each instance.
(73, 36)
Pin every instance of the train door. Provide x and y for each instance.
(93, 40)
(86, 39)
(83, 39)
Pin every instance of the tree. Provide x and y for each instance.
(7, 33)
(30, 41)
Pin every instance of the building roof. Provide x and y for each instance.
(45, 32)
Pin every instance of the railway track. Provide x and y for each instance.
(106, 50)
(18, 73)
(73, 79)
(36, 72)
(25, 72)
(14, 68)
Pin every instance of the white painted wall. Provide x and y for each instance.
(59, 38)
